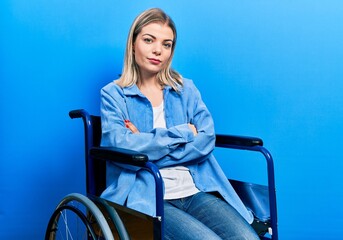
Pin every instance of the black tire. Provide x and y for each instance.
(77, 217)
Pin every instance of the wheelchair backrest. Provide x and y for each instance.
(95, 169)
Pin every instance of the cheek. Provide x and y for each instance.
(167, 58)
(138, 55)
(137, 50)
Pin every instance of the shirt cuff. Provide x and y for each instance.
(185, 132)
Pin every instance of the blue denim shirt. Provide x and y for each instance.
(175, 145)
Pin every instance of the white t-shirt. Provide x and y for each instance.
(178, 181)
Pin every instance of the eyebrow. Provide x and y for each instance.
(155, 37)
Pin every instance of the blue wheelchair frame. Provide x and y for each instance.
(97, 156)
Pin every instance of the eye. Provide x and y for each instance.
(147, 40)
(167, 45)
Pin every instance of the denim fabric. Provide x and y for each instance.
(204, 216)
(173, 146)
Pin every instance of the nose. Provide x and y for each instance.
(157, 50)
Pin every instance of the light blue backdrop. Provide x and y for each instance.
(265, 68)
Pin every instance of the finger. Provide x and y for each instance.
(193, 128)
(130, 126)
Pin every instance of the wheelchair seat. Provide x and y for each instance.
(106, 220)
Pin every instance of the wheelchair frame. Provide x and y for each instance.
(97, 156)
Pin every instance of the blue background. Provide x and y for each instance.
(265, 68)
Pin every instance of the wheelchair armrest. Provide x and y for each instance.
(222, 140)
(119, 155)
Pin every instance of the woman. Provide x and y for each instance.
(153, 110)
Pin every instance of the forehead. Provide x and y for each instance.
(158, 30)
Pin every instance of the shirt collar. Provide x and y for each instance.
(132, 90)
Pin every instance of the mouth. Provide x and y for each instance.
(154, 61)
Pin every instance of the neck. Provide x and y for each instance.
(149, 82)
(152, 90)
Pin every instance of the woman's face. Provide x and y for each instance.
(153, 48)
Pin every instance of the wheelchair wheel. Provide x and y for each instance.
(77, 217)
(113, 219)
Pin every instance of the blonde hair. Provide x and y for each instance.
(130, 74)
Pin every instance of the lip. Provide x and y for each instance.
(154, 61)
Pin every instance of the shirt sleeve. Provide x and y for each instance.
(156, 144)
(203, 143)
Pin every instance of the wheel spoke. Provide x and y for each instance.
(77, 217)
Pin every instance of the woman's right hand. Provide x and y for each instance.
(129, 125)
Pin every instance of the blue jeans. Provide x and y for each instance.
(204, 216)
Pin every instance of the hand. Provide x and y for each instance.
(130, 126)
(193, 128)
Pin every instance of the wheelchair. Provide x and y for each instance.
(91, 217)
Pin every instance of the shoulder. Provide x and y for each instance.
(188, 85)
(111, 88)
(189, 89)
(118, 93)
(115, 91)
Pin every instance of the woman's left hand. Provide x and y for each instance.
(193, 128)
